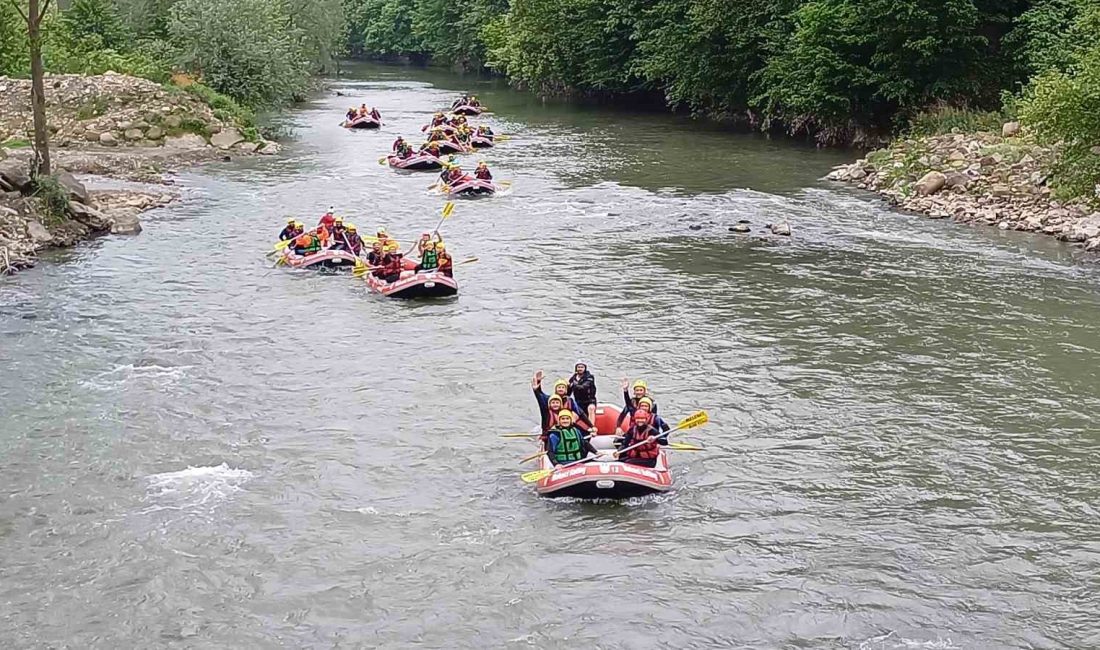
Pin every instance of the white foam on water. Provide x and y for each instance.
(121, 375)
(199, 485)
(893, 641)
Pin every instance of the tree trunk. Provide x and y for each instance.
(38, 90)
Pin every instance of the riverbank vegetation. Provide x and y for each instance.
(837, 71)
(258, 53)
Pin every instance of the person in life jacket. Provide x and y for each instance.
(646, 404)
(485, 131)
(436, 135)
(353, 241)
(566, 442)
(327, 218)
(429, 261)
(375, 114)
(475, 102)
(383, 237)
(425, 238)
(640, 389)
(462, 135)
(560, 389)
(375, 257)
(438, 119)
(290, 231)
(641, 431)
(483, 172)
(458, 120)
(401, 148)
(391, 264)
(430, 148)
(350, 116)
(337, 232)
(446, 263)
(363, 109)
(323, 235)
(307, 243)
(582, 388)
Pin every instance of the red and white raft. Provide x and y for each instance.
(450, 146)
(605, 479)
(481, 141)
(466, 109)
(326, 259)
(446, 128)
(419, 161)
(426, 284)
(363, 122)
(471, 187)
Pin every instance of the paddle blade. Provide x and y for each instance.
(536, 476)
(468, 261)
(519, 435)
(448, 208)
(283, 244)
(694, 420)
(382, 160)
(683, 446)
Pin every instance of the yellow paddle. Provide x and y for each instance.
(690, 422)
(676, 446)
(520, 435)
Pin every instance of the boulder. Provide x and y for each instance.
(14, 174)
(133, 134)
(94, 219)
(125, 223)
(956, 179)
(108, 139)
(783, 229)
(270, 148)
(1087, 228)
(154, 133)
(1010, 129)
(226, 138)
(931, 183)
(1000, 189)
(92, 136)
(38, 233)
(857, 174)
(173, 121)
(77, 191)
(248, 147)
(956, 156)
(741, 227)
(185, 141)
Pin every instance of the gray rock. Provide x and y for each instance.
(154, 133)
(134, 134)
(125, 125)
(15, 175)
(956, 179)
(270, 148)
(173, 121)
(108, 139)
(857, 174)
(1095, 150)
(741, 227)
(92, 136)
(185, 141)
(956, 156)
(1087, 228)
(77, 191)
(38, 233)
(226, 138)
(248, 147)
(1000, 189)
(94, 219)
(783, 229)
(1010, 129)
(125, 223)
(931, 183)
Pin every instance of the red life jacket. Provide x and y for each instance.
(649, 450)
(392, 265)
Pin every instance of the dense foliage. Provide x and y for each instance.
(259, 52)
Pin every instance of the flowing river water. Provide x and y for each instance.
(199, 451)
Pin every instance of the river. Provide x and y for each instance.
(200, 451)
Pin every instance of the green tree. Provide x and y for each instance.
(96, 24)
(247, 49)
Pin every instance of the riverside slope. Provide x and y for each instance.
(983, 178)
(108, 125)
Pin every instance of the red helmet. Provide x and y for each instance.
(641, 416)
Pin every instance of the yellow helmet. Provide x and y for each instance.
(565, 413)
(299, 224)
(391, 248)
(439, 246)
(290, 221)
(645, 401)
(561, 382)
(640, 384)
(352, 228)
(338, 220)
(381, 230)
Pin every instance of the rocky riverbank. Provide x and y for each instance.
(990, 179)
(109, 125)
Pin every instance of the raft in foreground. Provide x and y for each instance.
(426, 284)
(363, 122)
(326, 259)
(419, 162)
(471, 187)
(610, 479)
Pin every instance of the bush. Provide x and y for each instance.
(946, 119)
(55, 198)
(1064, 108)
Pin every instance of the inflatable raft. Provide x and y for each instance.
(446, 128)
(362, 122)
(605, 479)
(326, 259)
(481, 142)
(471, 187)
(426, 284)
(419, 161)
(450, 146)
(466, 109)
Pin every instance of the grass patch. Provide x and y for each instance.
(946, 119)
(54, 197)
(16, 143)
(226, 105)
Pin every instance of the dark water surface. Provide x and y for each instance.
(199, 451)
